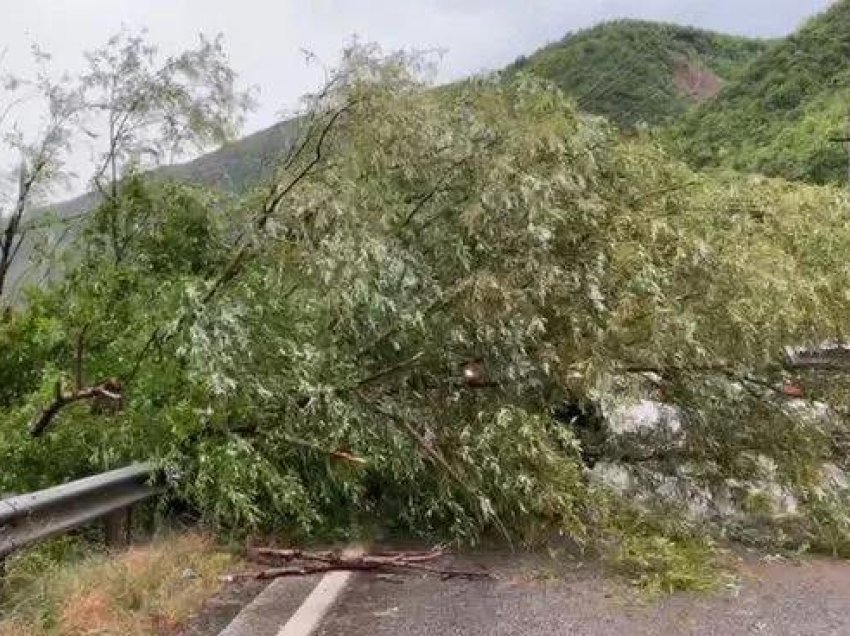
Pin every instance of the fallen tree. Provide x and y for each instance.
(379, 334)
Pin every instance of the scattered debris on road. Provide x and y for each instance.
(294, 562)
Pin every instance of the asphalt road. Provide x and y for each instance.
(528, 599)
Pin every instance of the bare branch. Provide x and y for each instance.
(401, 366)
(271, 205)
(438, 187)
(45, 417)
(302, 563)
(274, 202)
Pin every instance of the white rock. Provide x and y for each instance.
(646, 416)
(648, 486)
(782, 500)
(812, 411)
(615, 476)
(834, 478)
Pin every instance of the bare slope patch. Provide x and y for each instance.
(696, 82)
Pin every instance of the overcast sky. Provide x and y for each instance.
(265, 37)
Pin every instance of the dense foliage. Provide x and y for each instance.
(296, 358)
(636, 72)
(780, 114)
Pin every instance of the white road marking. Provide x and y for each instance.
(317, 605)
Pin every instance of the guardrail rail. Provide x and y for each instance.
(30, 518)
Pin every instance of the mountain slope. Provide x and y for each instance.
(234, 167)
(778, 116)
(642, 72)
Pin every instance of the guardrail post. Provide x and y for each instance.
(117, 528)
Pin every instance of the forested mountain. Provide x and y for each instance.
(637, 72)
(629, 71)
(779, 116)
(233, 167)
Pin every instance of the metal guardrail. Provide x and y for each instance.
(30, 518)
(834, 356)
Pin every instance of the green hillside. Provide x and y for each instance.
(625, 70)
(642, 72)
(777, 118)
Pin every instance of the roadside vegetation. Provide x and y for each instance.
(147, 590)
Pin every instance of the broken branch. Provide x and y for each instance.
(42, 421)
(303, 563)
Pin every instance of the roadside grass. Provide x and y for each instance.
(144, 591)
(658, 565)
